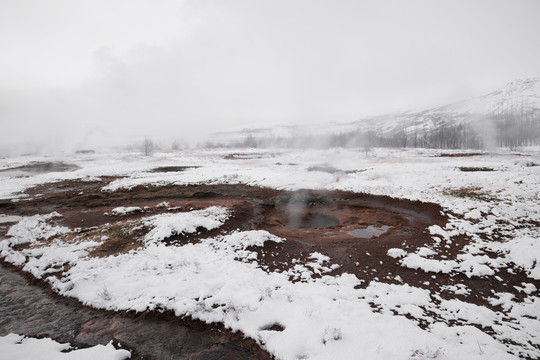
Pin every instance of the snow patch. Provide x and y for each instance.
(33, 228)
(396, 253)
(167, 225)
(122, 210)
(525, 253)
(13, 346)
(243, 240)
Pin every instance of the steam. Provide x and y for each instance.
(485, 127)
(305, 210)
(296, 209)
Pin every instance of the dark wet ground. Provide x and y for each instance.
(35, 311)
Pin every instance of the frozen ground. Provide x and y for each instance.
(492, 200)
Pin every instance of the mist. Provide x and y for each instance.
(109, 74)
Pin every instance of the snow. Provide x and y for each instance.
(415, 261)
(167, 225)
(437, 230)
(525, 253)
(15, 346)
(323, 316)
(35, 227)
(9, 218)
(29, 230)
(121, 210)
(471, 313)
(164, 204)
(396, 253)
(243, 240)
(458, 289)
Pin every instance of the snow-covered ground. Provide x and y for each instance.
(217, 279)
(15, 347)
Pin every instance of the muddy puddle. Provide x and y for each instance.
(311, 221)
(369, 232)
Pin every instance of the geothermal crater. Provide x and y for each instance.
(333, 216)
(349, 227)
(354, 230)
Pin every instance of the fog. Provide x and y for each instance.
(94, 74)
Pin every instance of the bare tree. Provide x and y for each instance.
(148, 146)
(176, 145)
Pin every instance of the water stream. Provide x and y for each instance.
(32, 310)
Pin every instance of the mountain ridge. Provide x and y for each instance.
(509, 116)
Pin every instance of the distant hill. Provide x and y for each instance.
(507, 117)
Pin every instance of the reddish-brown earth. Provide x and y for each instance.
(354, 230)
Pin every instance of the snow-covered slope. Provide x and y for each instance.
(517, 98)
(504, 117)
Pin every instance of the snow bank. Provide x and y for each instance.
(167, 225)
(29, 230)
(321, 318)
(14, 346)
(525, 253)
(33, 228)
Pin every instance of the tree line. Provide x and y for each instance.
(508, 126)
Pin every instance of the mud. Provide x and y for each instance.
(354, 230)
(166, 169)
(468, 154)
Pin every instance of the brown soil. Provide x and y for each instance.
(354, 230)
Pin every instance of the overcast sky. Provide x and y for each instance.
(78, 74)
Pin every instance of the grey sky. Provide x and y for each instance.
(85, 73)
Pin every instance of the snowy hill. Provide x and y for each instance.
(517, 97)
(506, 117)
